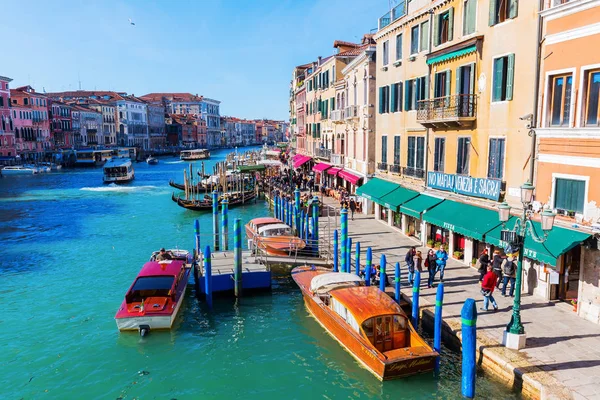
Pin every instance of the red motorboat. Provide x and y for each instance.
(154, 298)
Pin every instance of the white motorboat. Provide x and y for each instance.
(193, 155)
(118, 170)
(151, 160)
(18, 170)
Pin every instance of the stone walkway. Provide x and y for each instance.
(562, 351)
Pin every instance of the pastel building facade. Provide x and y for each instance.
(7, 135)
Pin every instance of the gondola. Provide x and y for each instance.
(180, 186)
(206, 204)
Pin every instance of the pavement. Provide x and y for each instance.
(562, 353)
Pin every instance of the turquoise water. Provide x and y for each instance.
(71, 248)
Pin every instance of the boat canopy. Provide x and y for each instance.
(117, 162)
(283, 228)
(332, 278)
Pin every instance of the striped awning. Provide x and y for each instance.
(451, 55)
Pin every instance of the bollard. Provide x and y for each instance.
(237, 257)
(415, 302)
(344, 243)
(197, 233)
(306, 229)
(344, 236)
(397, 283)
(335, 251)
(357, 257)
(215, 210)
(315, 212)
(208, 277)
(283, 211)
(349, 256)
(297, 209)
(368, 263)
(225, 224)
(437, 326)
(290, 214)
(468, 317)
(382, 274)
(275, 206)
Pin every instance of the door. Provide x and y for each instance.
(568, 287)
(387, 334)
(379, 336)
(465, 90)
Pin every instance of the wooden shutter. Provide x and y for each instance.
(498, 71)
(417, 93)
(426, 83)
(450, 24)
(407, 95)
(492, 20)
(513, 8)
(472, 86)
(399, 96)
(420, 152)
(510, 76)
(384, 149)
(459, 161)
(380, 100)
(448, 82)
(458, 79)
(436, 29)
(410, 161)
(393, 100)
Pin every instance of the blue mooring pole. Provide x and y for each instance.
(301, 225)
(397, 283)
(368, 263)
(357, 257)
(283, 210)
(215, 211)
(344, 236)
(306, 229)
(237, 257)
(225, 224)
(208, 277)
(336, 255)
(382, 274)
(349, 255)
(415, 300)
(290, 214)
(315, 212)
(437, 326)
(197, 234)
(297, 209)
(275, 206)
(468, 316)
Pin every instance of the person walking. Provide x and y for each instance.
(410, 263)
(352, 206)
(497, 266)
(430, 264)
(510, 273)
(483, 261)
(418, 262)
(487, 289)
(441, 259)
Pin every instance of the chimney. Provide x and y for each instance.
(319, 61)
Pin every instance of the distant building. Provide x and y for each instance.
(87, 126)
(177, 103)
(211, 114)
(156, 125)
(61, 124)
(7, 134)
(31, 122)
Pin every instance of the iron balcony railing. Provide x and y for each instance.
(351, 112)
(323, 153)
(382, 166)
(336, 116)
(414, 172)
(447, 108)
(337, 159)
(393, 15)
(395, 168)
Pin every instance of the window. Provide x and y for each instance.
(386, 55)
(462, 163)
(443, 28)
(1, 101)
(396, 150)
(416, 152)
(560, 98)
(396, 97)
(439, 153)
(469, 16)
(496, 159)
(503, 78)
(442, 84)
(384, 149)
(424, 37)
(592, 102)
(384, 99)
(365, 91)
(399, 47)
(569, 194)
(501, 10)
(414, 91)
(414, 40)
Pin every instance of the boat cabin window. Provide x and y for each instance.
(387, 332)
(150, 286)
(276, 232)
(342, 311)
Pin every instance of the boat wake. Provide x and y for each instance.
(116, 188)
(174, 162)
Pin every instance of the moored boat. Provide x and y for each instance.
(18, 170)
(118, 170)
(366, 322)
(273, 237)
(193, 155)
(155, 297)
(151, 160)
(205, 204)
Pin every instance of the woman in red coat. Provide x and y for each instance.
(488, 284)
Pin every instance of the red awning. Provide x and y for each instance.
(320, 167)
(347, 176)
(333, 171)
(301, 161)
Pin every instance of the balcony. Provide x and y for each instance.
(382, 166)
(351, 112)
(336, 116)
(413, 172)
(337, 159)
(446, 112)
(395, 168)
(324, 154)
(393, 15)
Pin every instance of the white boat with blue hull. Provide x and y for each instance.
(118, 170)
(18, 170)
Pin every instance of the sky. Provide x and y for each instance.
(241, 52)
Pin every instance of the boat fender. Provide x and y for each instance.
(144, 330)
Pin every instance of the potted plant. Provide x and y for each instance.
(458, 255)
(571, 213)
(437, 244)
(430, 243)
(574, 303)
(473, 262)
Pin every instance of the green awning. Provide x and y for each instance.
(464, 219)
(396, 197)
(251, 168)
(375, 189)
(419, 204)
(559, 241)
(451, 55)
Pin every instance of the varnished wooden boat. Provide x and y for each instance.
(206, 203)
(274, 237)
(366, 322)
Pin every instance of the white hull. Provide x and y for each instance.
(119, 179)
(21, 171)
(154, 322)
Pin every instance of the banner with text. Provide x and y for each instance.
(476, 187)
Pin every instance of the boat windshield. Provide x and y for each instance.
(277, 232)
(387, 332)
(150, 286)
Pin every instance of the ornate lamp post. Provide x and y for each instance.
(514, 335)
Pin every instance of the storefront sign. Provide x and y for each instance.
(476, 187)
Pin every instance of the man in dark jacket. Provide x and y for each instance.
(497, 266)
(410, 263)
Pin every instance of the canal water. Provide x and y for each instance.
(71, 247)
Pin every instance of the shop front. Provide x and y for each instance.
(319, 170)
(393, 200)
(412, 212)
(373, 191)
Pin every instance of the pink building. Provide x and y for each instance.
(7, 135)
(30, 116)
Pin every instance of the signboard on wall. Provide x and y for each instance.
(467, 185)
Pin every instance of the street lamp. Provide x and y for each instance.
(514, 335)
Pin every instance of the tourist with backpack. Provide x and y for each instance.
(497, 266)
(510, 272)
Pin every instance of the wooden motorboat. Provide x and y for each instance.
(274, 237)
(366, 322)
(205, 204)
(154, 298)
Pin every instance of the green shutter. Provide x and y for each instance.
(472, 86)
(510, 76)
(458, 79)
(436, 29)
(450, 24)
(498, 71)
(448, 82)
(406, 95)
(513, 8)
(381, 100)
(326, 108)
(426, 82)
(393, 100)
(399, 97)
(387, 99)
(417, 95)
(492, 20)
